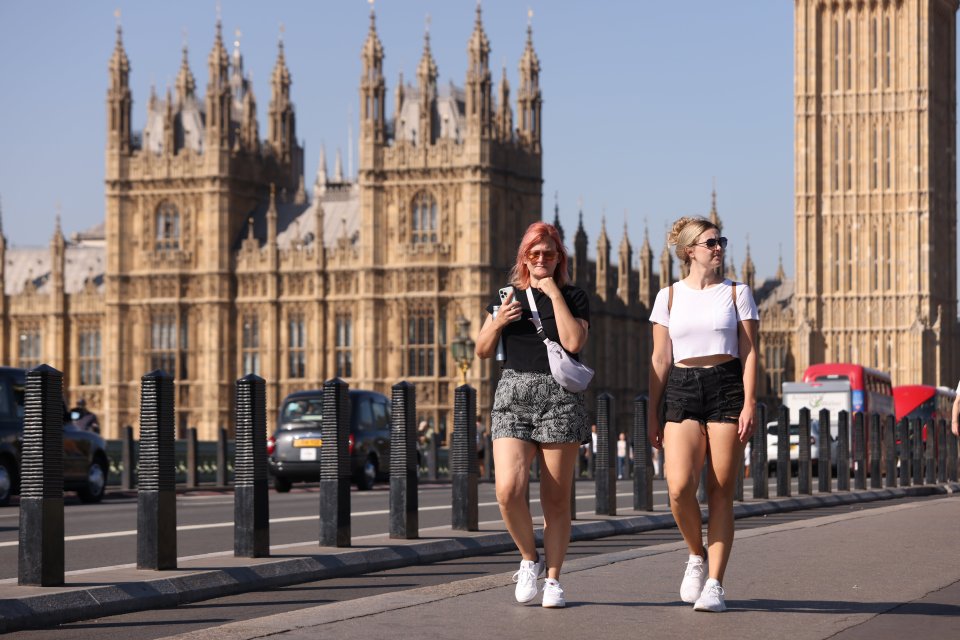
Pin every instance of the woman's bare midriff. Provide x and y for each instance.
(704, 361)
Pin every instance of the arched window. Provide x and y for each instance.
(168, 227)
(424, 219)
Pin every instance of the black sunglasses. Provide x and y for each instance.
(711, 243)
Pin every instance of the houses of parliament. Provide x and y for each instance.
(214, 259)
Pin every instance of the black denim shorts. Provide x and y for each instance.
(704, 394)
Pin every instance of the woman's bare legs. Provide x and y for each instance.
(512, 459)
(556, 471)
(684, 450)
(726, 451)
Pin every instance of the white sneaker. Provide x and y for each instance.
(553, 594)
(526, 578)
(711, 599)
(693, 578)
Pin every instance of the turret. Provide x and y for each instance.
(625, 261)
(646, 271)
(731, 273)
(556, 216)
(603, 262)
(169, 126)
(398, 97)
(427, 85)
(281, 117)
(781, 274)
(249, 128)
(479, 86)
(749, 272)
(528, 94)
(119, 99)
(666, 267)
(580, 254)
(58, 252)
(372, 88)
(504, 121)
(218, 96)
(186, 85)
(320, 184)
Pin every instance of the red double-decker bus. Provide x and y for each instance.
(871, 390)
(926, 402)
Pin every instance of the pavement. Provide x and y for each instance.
(816, 577)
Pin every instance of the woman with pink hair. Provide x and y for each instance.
(532, 414)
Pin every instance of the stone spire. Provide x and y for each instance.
(338, 168)
(479, 86)
(399, 96)
(556, 215)
(603, 261)
(119, 98)
(580, 253)
(186, 84)
(427, 86)
(504, 120)
(781, 274)
(528, 95)
(372, 87)
(320, 184)
(748, 271)
(218, 97)
(625, 261)
(666, 267)
(646, 271)
(731, 273)
(250, 129)
(282, 131)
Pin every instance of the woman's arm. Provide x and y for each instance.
(955, 415)
(660, 361)
(490, 331)
(573, 331)
(747, 337)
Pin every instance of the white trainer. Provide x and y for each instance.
(711, 599)
(553, 594)
(694, 577)
(526, 578)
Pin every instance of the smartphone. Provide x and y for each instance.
(504, 293)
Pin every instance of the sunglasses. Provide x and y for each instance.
(711, 243)
(547, 255)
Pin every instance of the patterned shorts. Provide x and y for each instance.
(533, 407)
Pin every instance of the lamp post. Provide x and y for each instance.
(462, 347)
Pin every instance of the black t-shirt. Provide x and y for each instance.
(524, 349)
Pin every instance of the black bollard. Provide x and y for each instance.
(535, 469)
(951, 456)
(783, 453)
(941, 450)
(488, 455)
(222, 444)
(41, 547)
(604, 473)
(843, 451)
(738, 488)
(642, 466)
(404, 476)
(758, 456)
(127, 459)
(804, 462)
(156, 483)
(251, 532)
(916, 445)
(192, 478)
(905, 454)
(824, 463)
(859, 452)
(876, 481)
(463, 460)
(433, 453)
(335, 465)
(890, 450)
(929, 451)
(573, 492)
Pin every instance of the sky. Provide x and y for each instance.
(646, 104)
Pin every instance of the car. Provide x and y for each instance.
(795, 443)
(293, 451)
(85, 463)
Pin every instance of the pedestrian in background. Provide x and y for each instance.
(621, 455)
(532, 414)
(704, 370)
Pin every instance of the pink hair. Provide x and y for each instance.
(535, 234)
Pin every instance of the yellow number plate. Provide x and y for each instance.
(308, 442)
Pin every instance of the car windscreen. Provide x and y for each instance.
(302, 410)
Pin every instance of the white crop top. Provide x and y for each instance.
(704, 322)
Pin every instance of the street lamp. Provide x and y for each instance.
(462, 347)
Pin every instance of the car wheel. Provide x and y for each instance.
(96, 482)
(369, 475)
(7, 477)
(281, 485)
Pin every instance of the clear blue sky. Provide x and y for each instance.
(645, 102)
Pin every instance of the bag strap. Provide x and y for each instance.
(535, 313)
(670, 300)
(733, 292)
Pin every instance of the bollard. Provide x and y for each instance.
(404, 477)
(535, 469)
(251, 531)
(126, 457)
(804, 463)
(843, 451)
(859, 452)
(890, 451)
(876, 481)
(604, 473)
(783, 453)
(335, 465)
(951, 456)
(738, 487)
(433, 452)
(642, 466)
(906, 454)
(463, 460)
(156, 483)
(824, 463)
(41, 546)
(758, 456)
(929, 452)
(192, 479)
(941, 450)
(702, 485)
(222, 444)
(488, 457)
(916, 445)
(573, 492)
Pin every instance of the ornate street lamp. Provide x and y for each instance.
(463, 347)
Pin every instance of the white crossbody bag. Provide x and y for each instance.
(570, 374)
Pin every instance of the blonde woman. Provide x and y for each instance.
(703, 372)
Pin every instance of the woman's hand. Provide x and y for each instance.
(509, 311)
(549, 287)
(747, 422)
(654, 432)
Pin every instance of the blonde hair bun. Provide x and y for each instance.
(685, 232)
